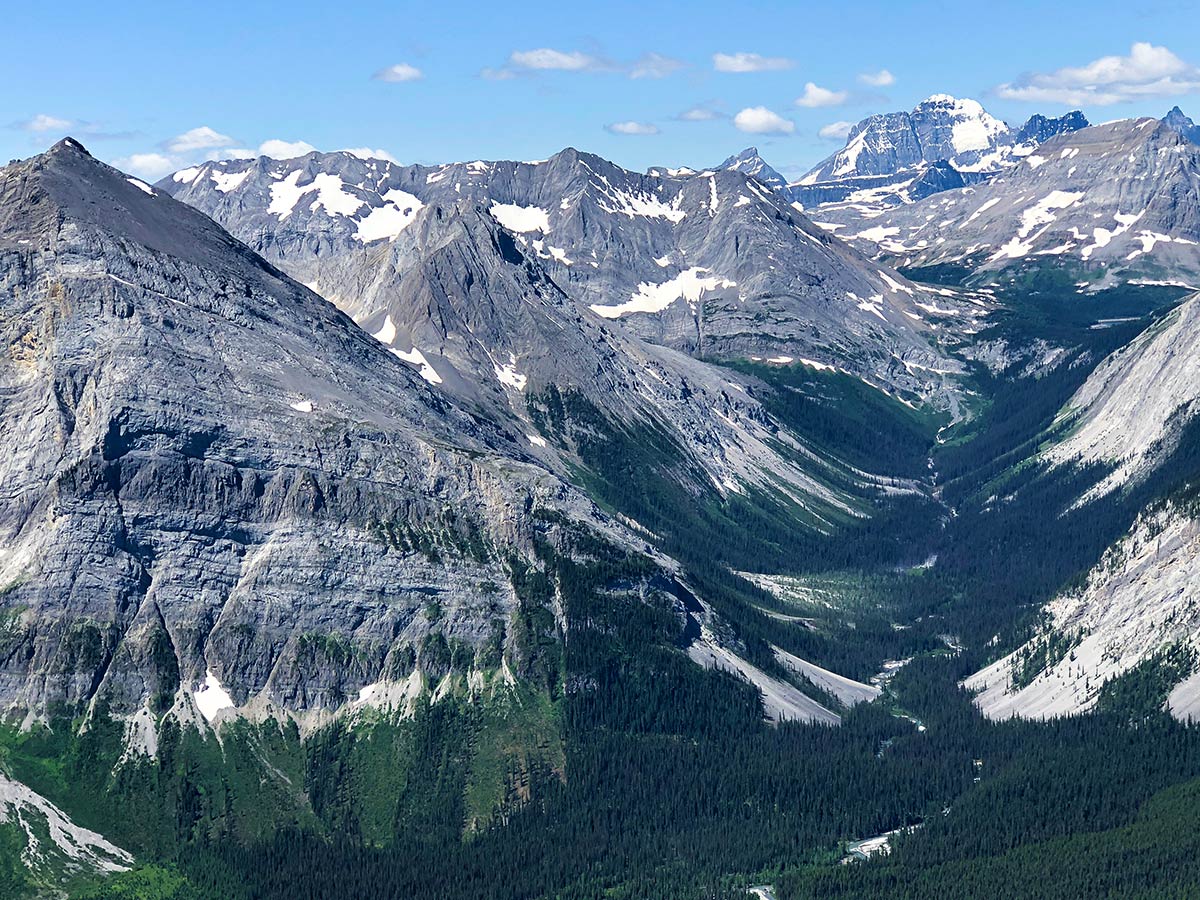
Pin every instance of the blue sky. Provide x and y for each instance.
(153, 85)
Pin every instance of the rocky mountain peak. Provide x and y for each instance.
(1119, 197)
(178, 408)
(68, 184)
(1039, 128)
(1182, 124)
(750, 162)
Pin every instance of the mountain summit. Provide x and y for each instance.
(751, 163)
(943, 143)
(212, 476)
(1182, 124)
(1122, 197)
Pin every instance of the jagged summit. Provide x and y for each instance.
(713, 263)
(1182, 124)
(1109, 200)
(1039, 128)
(69, 144)
(750, 162)
(941, 127)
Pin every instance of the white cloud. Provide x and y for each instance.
(815, 96)
(882, 78)
(151, 166)
(545, 58)
(199, 143)
(398, 73)
(639, 128)
(749, 62)
(700, 113)
(760, 120)
(41, 123)
(498, 74)
(548, 59)
(368, 153)
(230, 153)
(201, 138)
(836, 131)
(655, 65)
(1148, 71)
(277, 149)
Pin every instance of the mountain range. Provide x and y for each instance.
(508, 528)
(706, 263)
(1107, 201)
(902, 157)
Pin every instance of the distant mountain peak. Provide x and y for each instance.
(1038, 128)
(1182, 124)
(1116, 200)
(941, 127)
(74, 146)
(944, 142)
(949, 101)
(750, 162)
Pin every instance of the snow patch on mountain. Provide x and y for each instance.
(508, 375)
(212, 698)
(228, 181)
(285, 194)
(387, 221)
(1041, 213)
(633, 204)
(689, 285)
(424, 368)
(387, 332)
(521, 219)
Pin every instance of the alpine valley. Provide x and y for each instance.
(548, 529)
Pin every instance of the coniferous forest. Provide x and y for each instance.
(621, 769)
(624, 525)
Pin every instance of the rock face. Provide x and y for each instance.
(1123, 197)
(1039, 129)
(711, 264)
(215, 489)
(888, 157)
(750, 162)
(1141, 600)
(1182, 124)
(1130, 410)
